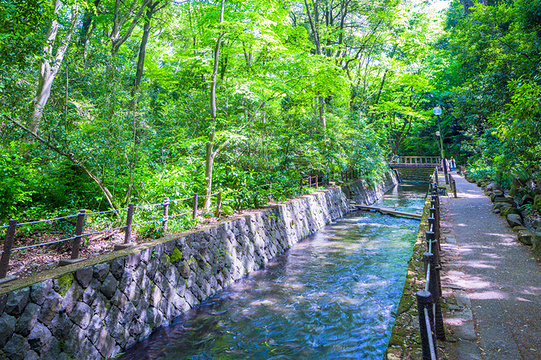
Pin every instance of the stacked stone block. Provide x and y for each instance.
(100, 310)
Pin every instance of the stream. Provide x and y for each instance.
(331, 296)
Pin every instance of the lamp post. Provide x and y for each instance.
(437, 112)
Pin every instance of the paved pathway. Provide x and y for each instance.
(492, 282)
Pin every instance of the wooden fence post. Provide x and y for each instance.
(8, 245)
(195, 200)
(127, 234)
(76, 245)
(165, 214)
(78, 231)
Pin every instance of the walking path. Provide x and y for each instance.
(491, 283)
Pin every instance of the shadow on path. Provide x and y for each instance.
(496, 281)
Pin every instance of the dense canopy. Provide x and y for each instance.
(105, 103)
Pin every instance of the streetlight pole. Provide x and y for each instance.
(437, 112)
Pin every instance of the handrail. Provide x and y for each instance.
(415, 160)
(428, 299)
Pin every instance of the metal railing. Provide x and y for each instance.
(416, 160)
(80, 223)
(429, 299)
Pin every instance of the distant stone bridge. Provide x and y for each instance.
(415, 168)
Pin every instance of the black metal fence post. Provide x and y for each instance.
(434, 286)
(8, 245)
(424, 301)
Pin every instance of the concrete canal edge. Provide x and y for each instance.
(99, 307)
(405, 341)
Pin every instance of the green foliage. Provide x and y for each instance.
(495, 86)
(18, 180)
(287, 107)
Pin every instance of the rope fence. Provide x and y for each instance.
(161, 222)
(13, 225)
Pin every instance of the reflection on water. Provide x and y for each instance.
(331, 296)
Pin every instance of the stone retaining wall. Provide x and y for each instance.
(358, 192)
(101, 306)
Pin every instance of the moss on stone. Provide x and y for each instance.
(176, 255)
(64, 283)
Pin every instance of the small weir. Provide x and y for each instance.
(331, 296)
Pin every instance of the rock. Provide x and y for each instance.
(117, 267)
(503, 199)
(184, 269)
(109, 286)
(31, 355)
(536, 243)
(101, 271)
(494, 187)
(94, 328)
(16, 348)
(61, 326)
(50, 307)
(7, 326)
(112, 317)
(508, 211)
(514, 220)
(17, 301)
(87, 351)
(537, 202)
(525, 237)
(39, 337)
(84, 276)
(537, 224)
(81, 315)
(526, 199)
(500, 205)
(72, 296)
(51, 350)
(519, 228)
(28, 320)
(75, 340)
(39, 291)
(105, 344)
(495, 194)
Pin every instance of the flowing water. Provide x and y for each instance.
(331, 296)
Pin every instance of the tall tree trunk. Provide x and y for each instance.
(151, 10)
(119, 20)
(211, 153)
(48, 68)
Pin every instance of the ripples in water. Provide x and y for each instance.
(331, 296)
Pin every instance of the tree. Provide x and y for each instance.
(51, 62)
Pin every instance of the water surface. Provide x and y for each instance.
(331, 296)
